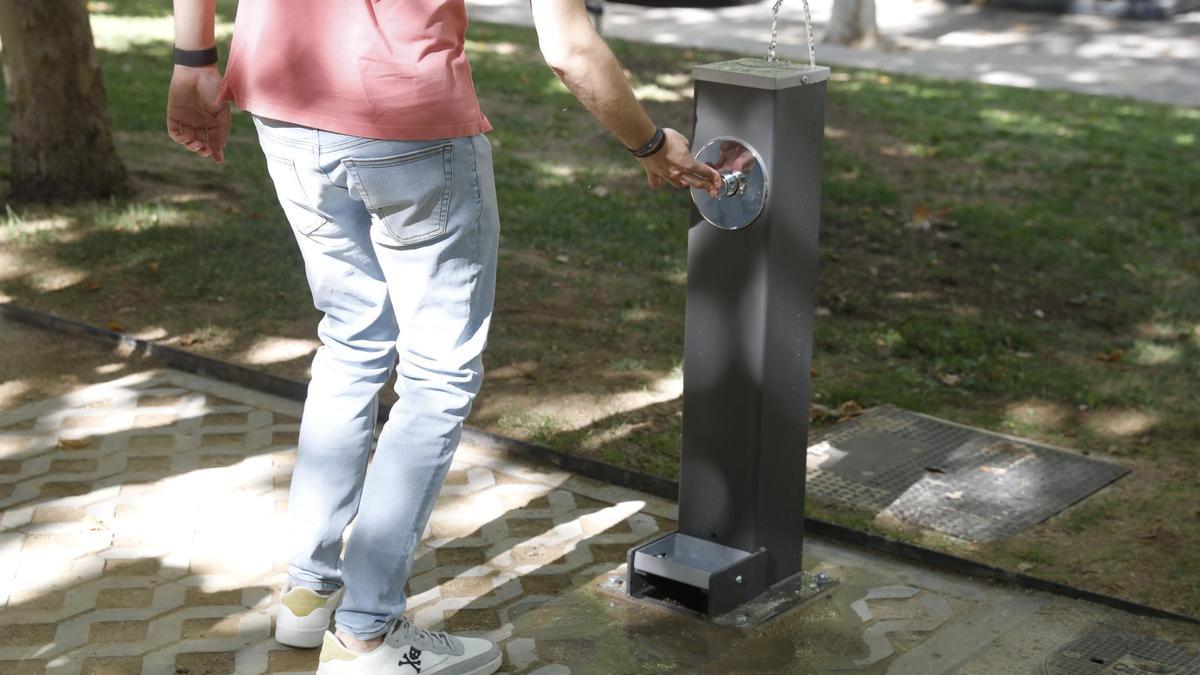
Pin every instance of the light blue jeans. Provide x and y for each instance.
(399, 241)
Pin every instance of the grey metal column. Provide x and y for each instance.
(748, 340)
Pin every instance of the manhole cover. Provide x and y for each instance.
(1102, 653)
(965, 482)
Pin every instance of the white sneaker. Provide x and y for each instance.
(409, 650)
(304, 616)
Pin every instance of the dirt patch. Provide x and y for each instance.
(36, 364)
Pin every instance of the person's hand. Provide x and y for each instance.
(674, 164)
(194, 119)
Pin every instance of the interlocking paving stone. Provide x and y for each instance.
(111, 665)
(23, 667)
(160, 498)
(118, 631)
(27, 634)
(204, 663)
(108, 598)
(141, 524)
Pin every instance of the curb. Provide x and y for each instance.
(589, 468)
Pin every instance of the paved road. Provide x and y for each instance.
(1152, 61)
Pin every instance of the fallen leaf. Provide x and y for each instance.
(188, 340)
(116, 326)
(1115, 356)
(849, 409)
(921, 217)
(91, 286)
(818, 412)
(514, 371)
(882, 349)
(950, 379)
(152, 267)
(72, 443)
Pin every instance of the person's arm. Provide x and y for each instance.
(195, 119)
(592, 73)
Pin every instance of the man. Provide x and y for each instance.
(374, 138)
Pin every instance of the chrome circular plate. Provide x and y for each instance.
(745, 183)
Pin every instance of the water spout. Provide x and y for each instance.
(812, 53)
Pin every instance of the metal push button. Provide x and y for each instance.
(743, 193)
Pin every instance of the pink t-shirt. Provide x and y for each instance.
(390, 69)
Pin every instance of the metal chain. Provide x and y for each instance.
(812, 52)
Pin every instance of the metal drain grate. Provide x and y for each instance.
(1107, 652)
(968, 483)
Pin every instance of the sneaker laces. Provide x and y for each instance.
(405, 632)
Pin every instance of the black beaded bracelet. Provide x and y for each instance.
(195, 58)
(653, 146)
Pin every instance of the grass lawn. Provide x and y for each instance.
(1019, 260)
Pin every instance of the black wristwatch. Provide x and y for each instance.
(195, 58)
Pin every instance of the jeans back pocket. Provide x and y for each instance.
(409, 194)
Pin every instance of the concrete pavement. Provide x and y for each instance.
(142, 507)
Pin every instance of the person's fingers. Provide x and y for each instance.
(183, 134)
(705, 171)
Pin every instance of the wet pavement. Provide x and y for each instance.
(140, 534)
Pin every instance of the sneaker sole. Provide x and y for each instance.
(490, 667)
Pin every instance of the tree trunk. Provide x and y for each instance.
(853, 23)
(62, 144)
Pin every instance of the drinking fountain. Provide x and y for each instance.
(752, 264)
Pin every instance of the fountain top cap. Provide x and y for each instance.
(760, 73)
